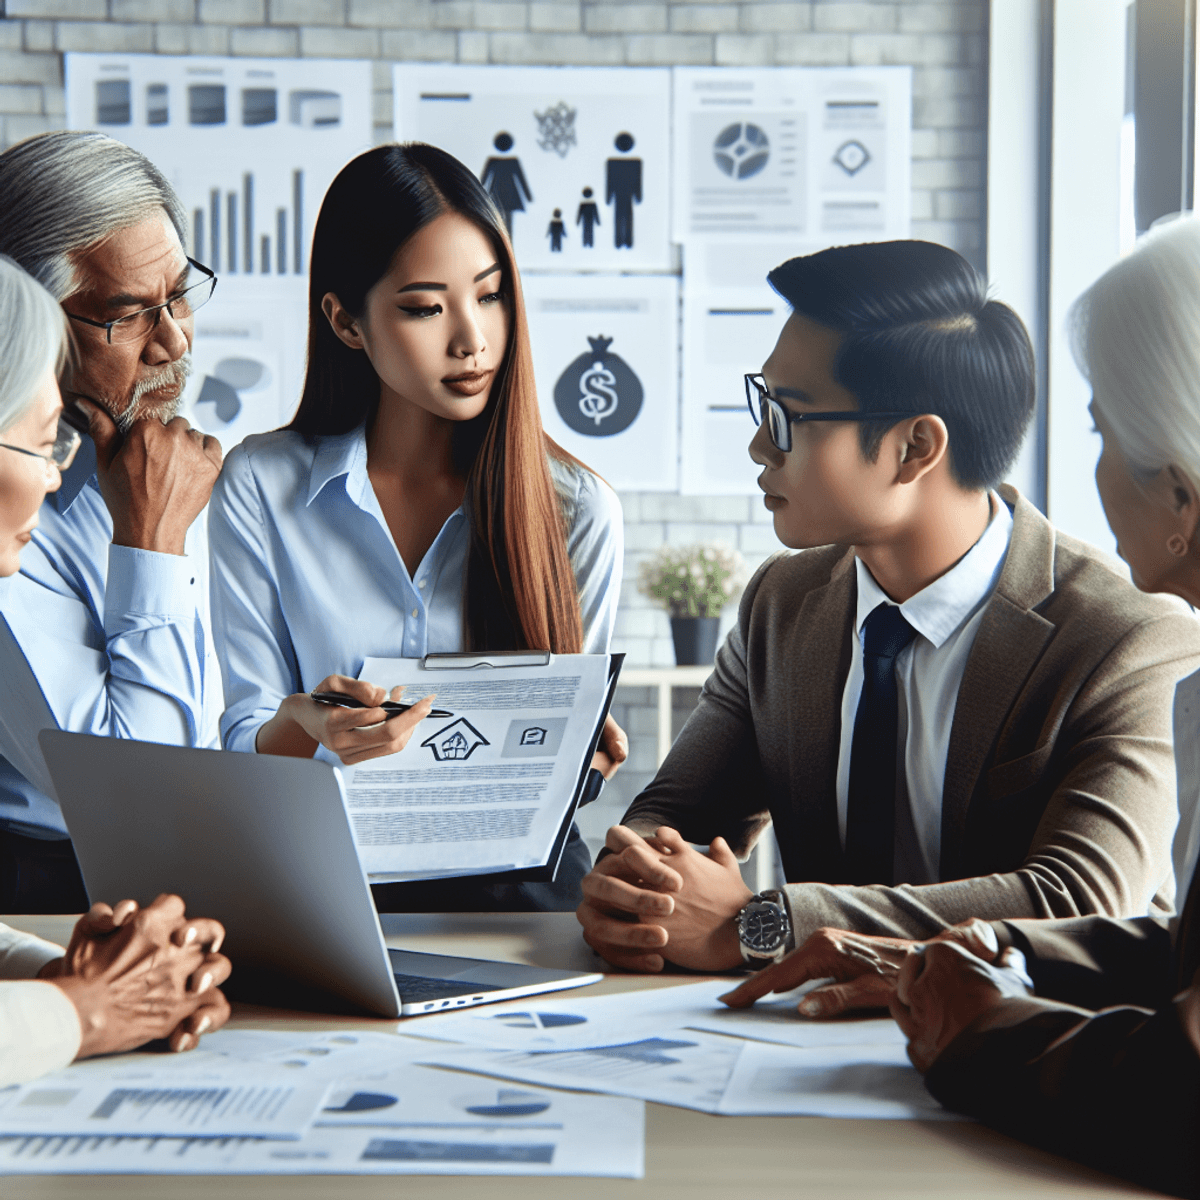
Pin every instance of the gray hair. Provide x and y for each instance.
(63, 193)
(34, 340)
(1136, 335)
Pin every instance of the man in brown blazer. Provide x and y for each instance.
(1004, 751)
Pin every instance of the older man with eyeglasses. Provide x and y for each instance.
(110, 611)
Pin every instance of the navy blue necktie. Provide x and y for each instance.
(871, 807)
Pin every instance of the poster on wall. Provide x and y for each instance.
(576, 158)
(250, 145)
(604, 356)
(820, 155)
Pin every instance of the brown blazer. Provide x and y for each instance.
(1059, 796)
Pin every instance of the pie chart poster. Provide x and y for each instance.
(606, 364)
(576, 158)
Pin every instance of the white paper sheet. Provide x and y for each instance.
(487, 788)
(404, 1121)
(834, 1081)
(677, 1066)
(574, 1023)
(236, 1083)
(579, 157)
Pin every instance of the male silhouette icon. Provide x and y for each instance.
(623, 189)
(556, 231)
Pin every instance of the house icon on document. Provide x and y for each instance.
(456, 741)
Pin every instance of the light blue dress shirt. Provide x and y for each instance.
(116, 637)
(307, 581)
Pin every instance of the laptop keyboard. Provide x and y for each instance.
(421, 987)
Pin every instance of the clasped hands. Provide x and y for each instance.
(657, 899)
(138, 974)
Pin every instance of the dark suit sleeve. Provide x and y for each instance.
(711, 782)
(1119, 1091)
(1094, 962)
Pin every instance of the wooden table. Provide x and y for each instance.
(689, 1155)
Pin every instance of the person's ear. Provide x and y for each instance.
(1184, 500)
(920, 445)
(345, 326)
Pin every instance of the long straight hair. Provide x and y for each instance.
(519, 589)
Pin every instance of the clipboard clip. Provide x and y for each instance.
(497, 658)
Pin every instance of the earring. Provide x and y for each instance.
(1177, 545)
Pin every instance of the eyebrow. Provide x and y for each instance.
(441, 287)
(126, 300)
(794, 394)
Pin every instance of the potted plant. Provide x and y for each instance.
(693, 583)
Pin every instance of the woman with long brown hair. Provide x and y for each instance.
(414, 505)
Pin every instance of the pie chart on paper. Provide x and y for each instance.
(537, 1020)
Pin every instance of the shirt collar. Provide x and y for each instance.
(81, 472)
(938, 610)
(340, 454)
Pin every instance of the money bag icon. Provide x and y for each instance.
(598, 395)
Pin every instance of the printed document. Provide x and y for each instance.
(579, 1022)
(397, 1120)
(487, 788)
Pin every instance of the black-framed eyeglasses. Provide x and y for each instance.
(779, 421)
(66, 442)
(137, 326)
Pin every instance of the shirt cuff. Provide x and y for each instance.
(144, 581)
(39, 1030)
(22, 955)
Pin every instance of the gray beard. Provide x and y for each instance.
(166, 410)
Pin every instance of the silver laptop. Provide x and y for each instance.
(263, 844)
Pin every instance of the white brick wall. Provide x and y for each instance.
(945, 43)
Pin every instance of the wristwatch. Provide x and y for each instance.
(764, 929)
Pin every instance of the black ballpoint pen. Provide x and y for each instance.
(391, 707)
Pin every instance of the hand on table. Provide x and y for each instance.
(613, 749)
(137, 974)
(353, 734)
(656, 900)
(864, 968)
(942, 988)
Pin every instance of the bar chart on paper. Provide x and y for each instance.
(250, 146)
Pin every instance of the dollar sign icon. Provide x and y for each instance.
(597, 393)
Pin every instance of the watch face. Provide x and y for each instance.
(763, 927)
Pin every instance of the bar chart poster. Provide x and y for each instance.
(607, 372)
(250, 145)
(815, 153)
(577, 159)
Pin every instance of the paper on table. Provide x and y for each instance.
(406, 1121)
(237, 1083)
(833, 1081)
(131, 1098)
(573, 1023)
(486, 789)
(676, 1066)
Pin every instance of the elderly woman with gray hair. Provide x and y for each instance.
(130, 975)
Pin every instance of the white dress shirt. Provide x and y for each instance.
(307, 581)
(39, 1027)
(929, 671)
(116, 637)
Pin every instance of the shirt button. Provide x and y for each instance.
(414, 613)
(421, 583)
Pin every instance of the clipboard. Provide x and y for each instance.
(587, 786)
